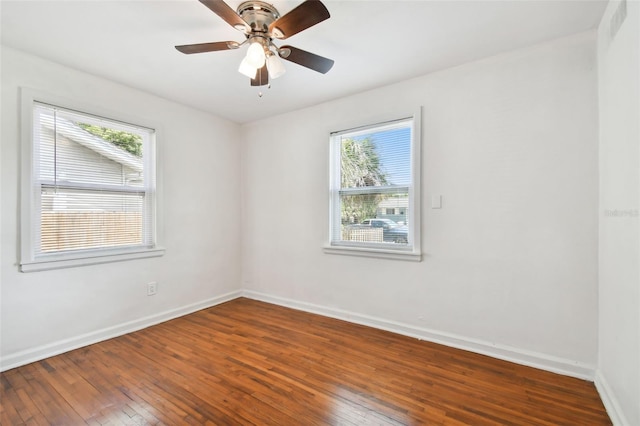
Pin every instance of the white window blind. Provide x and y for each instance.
(373, 187)
(93, 183)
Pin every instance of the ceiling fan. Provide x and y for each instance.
(261, 24)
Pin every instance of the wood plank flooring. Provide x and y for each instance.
(248, 362)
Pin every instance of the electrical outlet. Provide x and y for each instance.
(152, 288)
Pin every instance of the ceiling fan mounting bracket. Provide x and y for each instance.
(258, 15)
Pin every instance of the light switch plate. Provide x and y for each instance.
(436, 201)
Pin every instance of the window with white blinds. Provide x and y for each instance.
(374, 175)
(92, 188)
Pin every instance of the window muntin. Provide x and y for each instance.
(92, 189)
(373, 187)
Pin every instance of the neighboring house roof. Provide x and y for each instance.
(105, 148)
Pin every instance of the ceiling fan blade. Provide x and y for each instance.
(262, 77)
(305, 15)
(223, 10)
(208, 47)
(306, 59)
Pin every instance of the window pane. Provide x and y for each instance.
(72, 219)
(95, 182)
(73, 151)
(376, 158)
(370, 203)
(372, 218)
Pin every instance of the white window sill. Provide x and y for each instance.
(411, 256)
(84, 259)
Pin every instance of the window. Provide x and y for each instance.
(89, 191)
(374, 190)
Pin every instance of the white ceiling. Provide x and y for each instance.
(373, 43)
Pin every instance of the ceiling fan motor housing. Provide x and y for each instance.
(259, 15)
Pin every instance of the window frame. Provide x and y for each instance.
(410, 252)
(30, 202)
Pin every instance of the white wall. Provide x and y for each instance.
(619, 261)
(510, 261)
(48, 312)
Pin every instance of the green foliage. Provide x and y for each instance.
(129, 142)
(360, 167)
(360, 164)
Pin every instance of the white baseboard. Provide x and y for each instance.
(45, 351)
(520, 356)
(610, 401)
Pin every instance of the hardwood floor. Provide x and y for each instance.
(248, 362)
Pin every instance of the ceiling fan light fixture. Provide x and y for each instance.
(275, 66)
(255, 55)
(247, 69)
